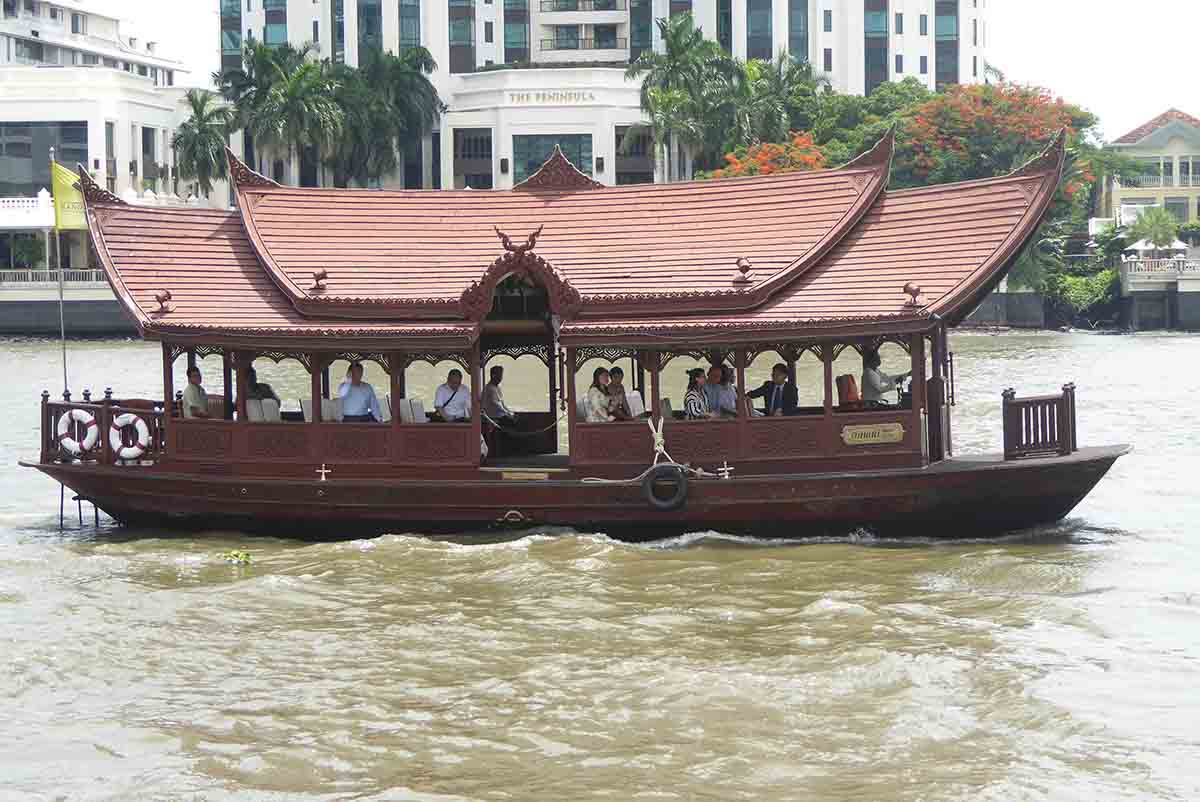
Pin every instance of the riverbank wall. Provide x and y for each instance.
(82, 318)
(1018, 310)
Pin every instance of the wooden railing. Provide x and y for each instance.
(101, 416)
(1039, 426)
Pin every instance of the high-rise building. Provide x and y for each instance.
(519, 76)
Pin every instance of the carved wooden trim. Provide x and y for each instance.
(93, 193)
(558, 174)
(541, 350)
(434, 357)
(241, 174)
(1049, 160)
(564, 299)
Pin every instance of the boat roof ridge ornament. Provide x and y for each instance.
(880, 154)
(1049, 160)
(92, 192)
(558, 174)
(243, 176)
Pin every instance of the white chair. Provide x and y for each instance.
(254, 410)
(637, 407)
(306, 409)
(216, 408)
(404, 410)
(664, 409)
(385, 409)
(418, 411)
(270, 411)
(581, 409)
(331, 410)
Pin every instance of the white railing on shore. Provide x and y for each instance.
(1161, 267)
(27, 213)
(44, 277)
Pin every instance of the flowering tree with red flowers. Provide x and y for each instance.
(800, 153)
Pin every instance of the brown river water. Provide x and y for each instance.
(1060, 664)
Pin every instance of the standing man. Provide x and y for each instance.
(195, 400)
(359, 402)
(452, 401)
(781, 395)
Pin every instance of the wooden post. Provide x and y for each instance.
(553, 384)
(227, 360)
(244, 362)
(917, 352)
(396, 377)
(319, 372)
(572, 406)
(325, 379)
(655, 386)
(475, 368)
(743, 404)
(168, 398)
(1011, 424)
(191, 358)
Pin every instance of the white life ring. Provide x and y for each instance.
(119, 449)
(68, 443)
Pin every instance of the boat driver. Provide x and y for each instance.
(452, 401)
(195, 400)
(359, 403)
(875, 382)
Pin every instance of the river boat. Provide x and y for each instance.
(799, 266)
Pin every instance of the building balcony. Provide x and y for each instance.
(618, 43)
(1158, 182)
(551, 6)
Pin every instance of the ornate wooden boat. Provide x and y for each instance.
(820, 266)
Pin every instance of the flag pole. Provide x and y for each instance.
(62, 318)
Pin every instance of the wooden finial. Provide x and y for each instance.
(914, 291)
(162, 296)
(319, 277)
(745, 274)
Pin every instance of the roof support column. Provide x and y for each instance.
(476, 367)
(317, 368)
(572, 407)
(396, 376)
(827, 363)
(744, 406)
(227, 359)
(920, 421)
(168, 395)
(243, 361)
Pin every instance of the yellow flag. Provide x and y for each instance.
(68, 201)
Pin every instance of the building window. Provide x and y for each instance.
(899, 63)
(275, 33)
(641, 23)
(677, 7)
(531, 152)
(24, 146)
(605, 37)
(370, 27)
(798, 29)
(828, 24)
(462, 32)
(945, 28)
(316, 37)
(725, 24)
(462, 35)
(516, 41)
(1178, 207)
(924, 65)
(875, 48)
(566, 37)
(975, 32)
(758, 29)
(974, 66)
(899, 23)
(337, 30)
(924, 24)
(410, 24)
(828, 63)
(488, 32)
(78, 23)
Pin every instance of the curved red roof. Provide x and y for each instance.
(406, 254)
(829, 252)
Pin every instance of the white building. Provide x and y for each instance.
(520, 75)
(74, 79)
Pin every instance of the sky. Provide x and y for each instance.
(1125, 62)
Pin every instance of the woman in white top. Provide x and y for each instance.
(596, 402)
(875, 383)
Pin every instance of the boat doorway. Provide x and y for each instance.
(519, 361)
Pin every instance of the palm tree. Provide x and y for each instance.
(199, 144)
(297, 112)
(688, 64)
(1157, 226)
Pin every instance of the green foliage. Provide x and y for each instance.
(1157, 226)
(1083, 293)
(199, 143)
(28, 251)
(1190, 232)
(1111, 242)
(236, 557)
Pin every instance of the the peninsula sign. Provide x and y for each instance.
(559, 97)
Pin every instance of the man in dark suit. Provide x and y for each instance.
(779, 395)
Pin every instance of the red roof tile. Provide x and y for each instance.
(1146, 129)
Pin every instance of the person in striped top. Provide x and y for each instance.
(695, 403)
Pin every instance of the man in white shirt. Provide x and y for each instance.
(493, 398)
(875, 383)
(452, 401)
(359, 402)
(195, 400)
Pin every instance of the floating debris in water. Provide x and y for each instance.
(236, 557)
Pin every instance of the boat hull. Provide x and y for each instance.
(962, 497)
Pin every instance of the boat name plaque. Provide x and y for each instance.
(873, 434)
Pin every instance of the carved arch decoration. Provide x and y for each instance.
(241, 174)
(542, 351)
(92, 192)
(716, 355)
(872, 344)
(432, 358)
(790, 352)
(557, 174)
(605, 353)
(280, 356)
(380, 359)
(564, 299)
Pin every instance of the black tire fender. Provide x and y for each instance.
(660, 473)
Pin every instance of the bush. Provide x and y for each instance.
(1083, 293)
